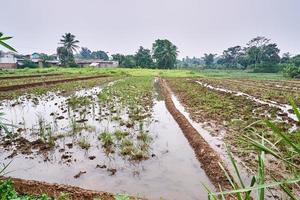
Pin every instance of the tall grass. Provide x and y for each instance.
(259, 184)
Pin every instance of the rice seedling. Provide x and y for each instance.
(84, 143)
(106, 138)
(126, 147)
(75, 102)
(120, 135)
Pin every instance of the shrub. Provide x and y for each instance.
(265, 68)
(291, 70)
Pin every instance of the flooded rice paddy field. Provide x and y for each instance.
(269, 90)
(228, 110)
(118, 137)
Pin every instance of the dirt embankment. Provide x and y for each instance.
(37, 188)
(28, 76)
(208, 158)
(43, 83)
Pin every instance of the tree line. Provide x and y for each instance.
(259, 55)
(163, 55)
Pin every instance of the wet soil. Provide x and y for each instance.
(208, 158)
(44, 83)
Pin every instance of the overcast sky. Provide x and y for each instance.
(121, 26)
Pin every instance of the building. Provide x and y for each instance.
(8, 60)
(96, 63)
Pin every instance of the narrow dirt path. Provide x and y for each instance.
(43, 83)
(208, 158)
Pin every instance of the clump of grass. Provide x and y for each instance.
(75, 101)
(126, 147)
(120, 135)
(145, 137)
(106, 138)
(84, 143)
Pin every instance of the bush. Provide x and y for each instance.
(265, 68)
(28, 63)
(291, 70)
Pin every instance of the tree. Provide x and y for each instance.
(209, 59)
(99, 55)
(85, 53)
(254, 49)
(286, 58)
(63, 56)
(296, 60)
(125, 61)
(65, 53)
(69, 42)
(230, 57)
(143, 58)
(165, 53)
(4, 44)
(270, 54)
(262, 55)
(129, 61)
(118, 57)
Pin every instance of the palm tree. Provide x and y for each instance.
(69, 42)
(2, 43)
(165, 53)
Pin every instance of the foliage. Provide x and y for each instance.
(258, 182)
(85, 53)
(190, 62)
(209, 59)
(4, 44)
(65, 53)
(143, 58)
(66, 58)
(125, 60)
(99, 55)
(28, 63)
(8, 192)
(164, 53)
(69, 42)
(291, 70)
(296, 60)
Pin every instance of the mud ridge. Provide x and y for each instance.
(43, 83)
(36, 188)
(208, 158)
(28, 76)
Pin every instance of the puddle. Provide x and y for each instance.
(285, 108)
(172, 171)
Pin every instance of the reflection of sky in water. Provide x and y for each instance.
(173, 173)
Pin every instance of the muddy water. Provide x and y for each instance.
(172, 171)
